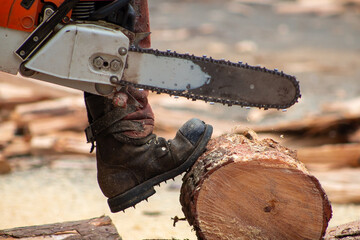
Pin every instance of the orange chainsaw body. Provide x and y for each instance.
(24, 15)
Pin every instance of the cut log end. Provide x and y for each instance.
(243, 188)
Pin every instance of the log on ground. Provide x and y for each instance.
(4, 165)
(93, 229)
(348, 231)
(341, 185)
(245, 188)
(332, 156)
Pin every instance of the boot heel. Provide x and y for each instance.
(129, 199)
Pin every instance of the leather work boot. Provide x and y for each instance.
(131, 160)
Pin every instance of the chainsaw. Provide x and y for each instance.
(92, 46)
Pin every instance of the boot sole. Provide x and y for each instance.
(144, 190)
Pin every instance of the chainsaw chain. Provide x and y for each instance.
(194, 97)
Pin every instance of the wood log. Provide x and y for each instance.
(50, 116)
(60, 143)
(7, 130)
(19, 146)
(44, 126)
(4, 165)
(312, 125)
(11, 95)
(336, 119)
(246, 188)
(330, 156)
(16, 89)
(298, 141)
(355, 136)
(349, 107)
(56, 107)
(96, 228)
(341, 185)
(348, 231)
(324, 8)
(329, 128)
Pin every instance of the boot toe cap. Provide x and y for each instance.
(193, 130)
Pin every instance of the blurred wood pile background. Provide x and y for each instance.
(38, 119)
(46, 122)
(318, 7)
(42, 124)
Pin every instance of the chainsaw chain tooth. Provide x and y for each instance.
(211, 100)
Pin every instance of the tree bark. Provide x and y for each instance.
(245, 188)
(92, 229)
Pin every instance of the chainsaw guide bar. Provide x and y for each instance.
(228, 83)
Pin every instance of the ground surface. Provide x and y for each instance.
(46, 195)
(322, 51)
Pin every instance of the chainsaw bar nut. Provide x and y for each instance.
(98, 62)
(115, 65)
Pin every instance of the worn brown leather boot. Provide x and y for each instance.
(131, 160)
